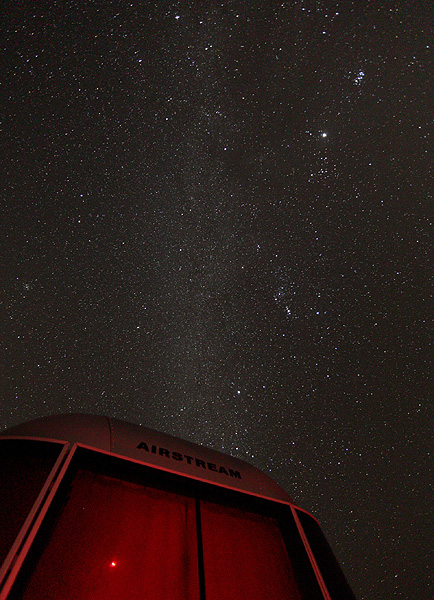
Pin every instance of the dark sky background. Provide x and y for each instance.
(217, 221)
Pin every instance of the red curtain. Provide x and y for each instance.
(244, 556)
(116, 540)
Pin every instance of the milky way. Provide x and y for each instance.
(217, 221)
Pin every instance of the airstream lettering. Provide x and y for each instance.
(190, 460)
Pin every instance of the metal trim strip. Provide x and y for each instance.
(310, 554)
(18, 552)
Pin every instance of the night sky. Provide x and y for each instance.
(217, 221)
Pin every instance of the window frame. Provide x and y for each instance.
(75, 456)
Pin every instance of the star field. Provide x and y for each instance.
(217, 221)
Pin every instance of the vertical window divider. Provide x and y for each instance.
(200, 550)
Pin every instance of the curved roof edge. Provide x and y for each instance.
(153, 448)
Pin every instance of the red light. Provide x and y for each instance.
(113, 563)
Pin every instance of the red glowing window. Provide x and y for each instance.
(244, 556)
(113, 539)
(152, 533)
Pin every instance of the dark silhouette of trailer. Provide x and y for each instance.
(94, 508)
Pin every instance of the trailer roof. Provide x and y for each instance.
(153, 448)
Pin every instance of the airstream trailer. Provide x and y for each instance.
(94, 508)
